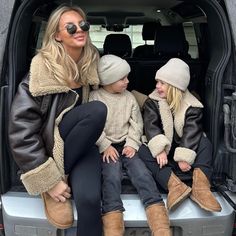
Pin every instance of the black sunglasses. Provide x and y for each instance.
(72, 28)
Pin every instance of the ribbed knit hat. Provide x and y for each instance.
(175, 72)
(112, 68)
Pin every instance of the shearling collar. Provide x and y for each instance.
(166, 115)
(43, 82)
(188, 101)
(169, 122)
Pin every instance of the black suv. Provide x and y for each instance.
(147, 34)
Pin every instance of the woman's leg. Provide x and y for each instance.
(80, 128)
(85, 181)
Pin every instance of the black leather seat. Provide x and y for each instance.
(117, 44)
(148, 33)
(170, 42)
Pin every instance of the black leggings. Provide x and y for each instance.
(80, 129)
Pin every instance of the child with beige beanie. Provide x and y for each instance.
(118, 146)
(176, 142)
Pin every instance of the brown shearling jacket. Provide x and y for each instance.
(36, 111)
(162, 128)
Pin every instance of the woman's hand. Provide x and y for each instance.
(162, 159)
(110, 153)
(184, 166)
(128, 151)
(60, 192)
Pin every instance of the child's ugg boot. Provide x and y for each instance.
(201, 192)
(158, 220)
(113, 224)
(59, 214)
(178, 191)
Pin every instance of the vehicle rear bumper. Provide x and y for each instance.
(24, 215)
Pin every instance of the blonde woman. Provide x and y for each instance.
(176, 142)
(53, 129)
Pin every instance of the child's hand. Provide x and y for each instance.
(162, 159)
(128, 151)
(110, 153)
(184, 166)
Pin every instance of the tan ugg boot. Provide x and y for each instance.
(158, 220)
(178, 191)
(201, 192)
(113, 224)
(59, 214)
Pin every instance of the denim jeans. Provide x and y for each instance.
(140, 177)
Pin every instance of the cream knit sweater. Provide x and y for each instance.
(124, 120)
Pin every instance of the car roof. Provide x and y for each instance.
(124, 13)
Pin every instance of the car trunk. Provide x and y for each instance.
(217, 87)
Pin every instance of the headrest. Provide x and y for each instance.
(117, 44)
(171, 41)
(149, 30)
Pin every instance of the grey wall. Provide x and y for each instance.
(6, 7)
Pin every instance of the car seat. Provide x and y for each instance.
(117, 44)
(148, 33)
(170, 42)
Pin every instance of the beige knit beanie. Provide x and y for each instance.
(112, 68)
(175, 72)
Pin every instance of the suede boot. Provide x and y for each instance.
(201, 192)
(178, 191)
(59, 214)
(158, 220)
(113, 224)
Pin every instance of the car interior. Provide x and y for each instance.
(164, 34)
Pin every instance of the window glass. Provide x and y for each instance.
(191, 38)
(41, 34)
(98, 34)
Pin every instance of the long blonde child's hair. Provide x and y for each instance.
(174, 98)
(58, 62)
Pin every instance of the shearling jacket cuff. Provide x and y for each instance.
(184, 154)
(158, 144)
(42, 178)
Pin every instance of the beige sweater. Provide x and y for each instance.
(124, 120)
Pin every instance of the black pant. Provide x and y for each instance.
(80, 129)
(161, 175)
(139, 175)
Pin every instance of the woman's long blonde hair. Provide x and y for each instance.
(174, 98)
(59, 62)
